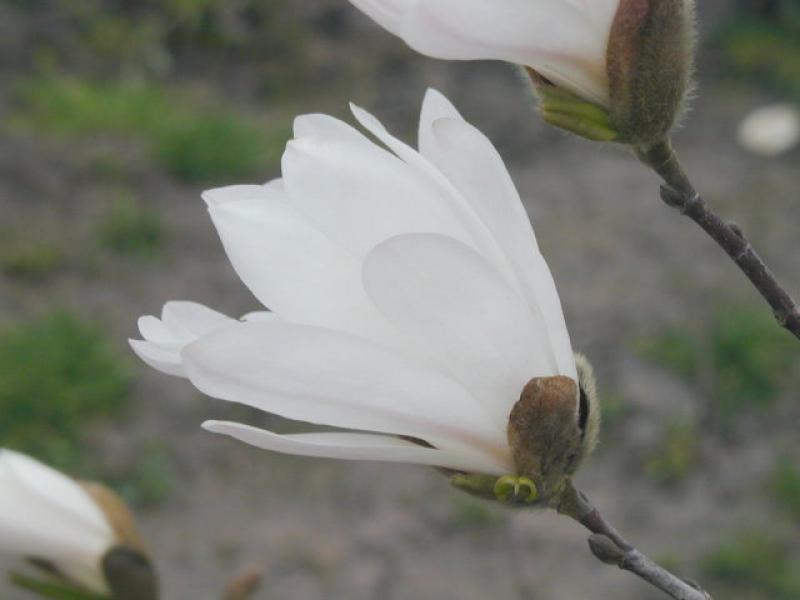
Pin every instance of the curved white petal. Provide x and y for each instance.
(471, 162)
(47, 515)
(564, 40)
(449, 295)
(289, 265)
(330, 378)
(357, 446)
(435, 106)
(181, 324)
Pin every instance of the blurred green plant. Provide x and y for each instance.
(217, 147)
(675, 454)
(192, 139)
(754, 566)
(751, 358)
(742, 361)
(470, 512)
(130, 229)
(31, 260)
(147, 482)
(678, 350)
(785, 486)
(764, 47)
(57, 375)
(149, 37)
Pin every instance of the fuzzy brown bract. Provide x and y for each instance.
(650, 61)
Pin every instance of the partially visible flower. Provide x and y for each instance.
(411, 306)
(770, 130)
(65, 527)
(606, 69)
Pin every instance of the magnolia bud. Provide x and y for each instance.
(649, 63)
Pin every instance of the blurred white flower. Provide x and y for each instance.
(47, 516)
(410, 298)
(565, 41)
(770, 130)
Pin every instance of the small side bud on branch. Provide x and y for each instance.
(604, 548)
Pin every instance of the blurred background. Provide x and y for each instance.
(116, 114)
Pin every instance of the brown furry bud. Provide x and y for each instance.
(649, 61)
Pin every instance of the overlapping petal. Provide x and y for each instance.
(471, 162)
(330, 378)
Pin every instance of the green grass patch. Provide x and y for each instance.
(193, 140)
(754, 566)
(741, 361)
(785, 487)
(57, 375)
(675, 455)
(130, 229)
(31, 260)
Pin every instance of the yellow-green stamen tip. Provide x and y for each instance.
(515, 489)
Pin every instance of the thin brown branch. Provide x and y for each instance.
(608, 545)
(680, 194)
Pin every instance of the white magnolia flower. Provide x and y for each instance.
(630, 60)
(47, 516)
(565, 41)
(410, 302)
(770, 130)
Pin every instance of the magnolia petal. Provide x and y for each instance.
(563, 40)
(289, 265)
(435, 106)
(330, 378)
(167, 361)
(357, 446)
(361, 195)
(190, 319)
(472, 163)
(181, 324)
(449, 295)
(461, 210)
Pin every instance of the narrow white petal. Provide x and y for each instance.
(329, 378)
(449, 295)
(435, 106)
(190, 319)
(472, 163)
(358, 446)
(166, 360)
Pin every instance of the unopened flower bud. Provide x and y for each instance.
(650, 57)
(79, 536)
